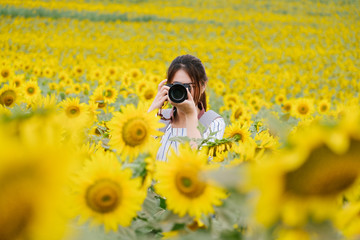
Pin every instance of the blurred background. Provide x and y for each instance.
(284, 74)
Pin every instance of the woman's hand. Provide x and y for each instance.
(160, 97)
(187, 107)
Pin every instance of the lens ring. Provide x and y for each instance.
(177, 93)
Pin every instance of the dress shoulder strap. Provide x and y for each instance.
(207, 118)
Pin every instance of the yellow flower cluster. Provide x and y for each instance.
(76, 141)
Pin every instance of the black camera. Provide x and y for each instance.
(177, 92)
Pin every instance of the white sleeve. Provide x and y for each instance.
(218, 126)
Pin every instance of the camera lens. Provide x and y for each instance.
(177, 93)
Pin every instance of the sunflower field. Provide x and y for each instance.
(78, 146)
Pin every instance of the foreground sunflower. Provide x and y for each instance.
(309, 179)
(182, 182)
(132, 129)
(32, 178)
(105, 194)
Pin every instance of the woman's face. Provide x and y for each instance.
(182, 77)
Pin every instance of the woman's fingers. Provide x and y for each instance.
(190, 98)
(163, 91)
(163, 99)
(161, 84)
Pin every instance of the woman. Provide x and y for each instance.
(183, 119)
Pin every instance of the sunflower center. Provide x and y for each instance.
(103, 196)
(325, 173)
(31, 90)
(5, 73)
(7, 98)
(134, 132)
(149, 94)
(16, 218)
(287, 107)
(188, 184)
(238, 113)
(101, 103)
(303, 109)
(73, 111)
(238, 136)
(109, 93)
(323, 108)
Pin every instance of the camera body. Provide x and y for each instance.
(177, 92)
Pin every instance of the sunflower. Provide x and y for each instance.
(63, 75)
(31, 90)
(309, 178)
(348, 220)
(135, 73)
(98, 98)
(106, 194)
(126, 80)
(75, 115)
(237, 131)
(238, 112)
(148, 93)
(280, 98)
(287, 106)
(231, 100)
(303, 108)
(141, 85)
(182, 182)
(96, 74)
(8, 96)
(53, 86)
(5, 73)
(31, 179)
(18, 80)
(111, 72)
(86, 88)
(219, 152)
(37, 71)
(48, 72)
(76, 88)
(45, 102)
(77, 71)
(155, 78)
(110, 94)
(266, 143)
(131, 130)
(323, 106)
(219, 88)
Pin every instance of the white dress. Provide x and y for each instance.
(218, 125)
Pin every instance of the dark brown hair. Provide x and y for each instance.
(196, 71)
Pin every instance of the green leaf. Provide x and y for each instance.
(201, 127)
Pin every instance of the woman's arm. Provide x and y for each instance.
(189, 110)
(160, 97)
